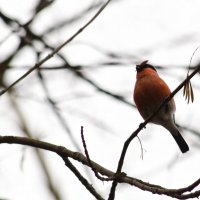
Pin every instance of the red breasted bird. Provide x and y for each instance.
(150, 91)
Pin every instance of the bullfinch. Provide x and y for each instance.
(149, 92)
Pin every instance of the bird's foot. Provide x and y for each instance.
(141, 126)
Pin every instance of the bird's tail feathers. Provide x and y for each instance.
(179, 139)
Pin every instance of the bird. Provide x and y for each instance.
(149, 92)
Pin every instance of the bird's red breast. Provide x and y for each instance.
(150, 91)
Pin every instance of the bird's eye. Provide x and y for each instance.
(138, 68)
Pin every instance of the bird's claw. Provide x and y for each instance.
(141, 126)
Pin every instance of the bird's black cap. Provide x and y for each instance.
(144, 65)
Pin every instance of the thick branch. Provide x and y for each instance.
(64, 153)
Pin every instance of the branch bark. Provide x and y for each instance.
(64, 153)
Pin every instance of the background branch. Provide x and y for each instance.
(38, 64)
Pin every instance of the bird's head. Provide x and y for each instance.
(144, 65)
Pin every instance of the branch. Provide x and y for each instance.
(23, 126)
(55, 110)
(89, 160)
(73, 19)
(65, 153)
(141, 126)
(38, 64)
(74, 69)
(81, 178)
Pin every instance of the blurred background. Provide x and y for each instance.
(90, 83)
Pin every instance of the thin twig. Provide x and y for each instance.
(38, 64)
(89, 161)
(142, 155)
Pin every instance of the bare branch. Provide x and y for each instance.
(89, 161)
(44, 166)
(84, 181)
(38, 64)
(65, 153)
(59, 116)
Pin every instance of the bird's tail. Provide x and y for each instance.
(179, 139)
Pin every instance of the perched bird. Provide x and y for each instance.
(150, 91)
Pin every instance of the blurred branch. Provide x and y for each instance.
(40, 6)
(65, 153)
(95, 85)
(76, 70)
(51, 186)
(38, 64)
(141, 126)
(113, 54)
(194, 132)
(31, 36)
(74, 18)
(61, 119)
(23, 125)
